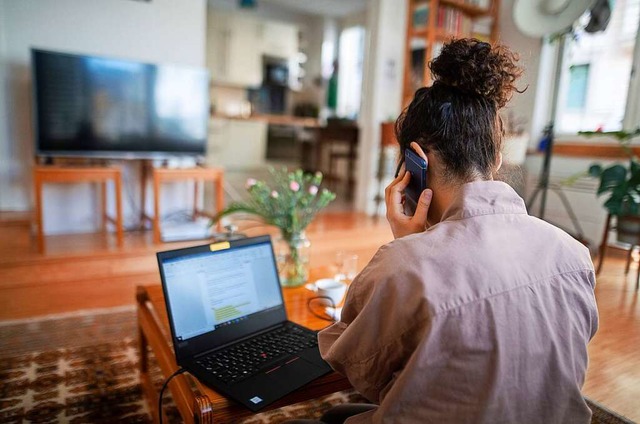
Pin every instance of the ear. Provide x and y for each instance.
(499, 161)
(416, 148)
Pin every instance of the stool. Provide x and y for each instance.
(161, 175)
(632, 239)
(58, 174)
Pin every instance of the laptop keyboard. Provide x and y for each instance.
(248, 358)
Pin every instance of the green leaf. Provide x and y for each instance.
(612, 177)
(595, 170)
(613, 205)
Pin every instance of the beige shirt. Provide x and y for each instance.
(483, 318)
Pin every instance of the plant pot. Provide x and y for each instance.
(628, 229)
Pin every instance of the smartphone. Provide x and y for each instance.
(417, 167)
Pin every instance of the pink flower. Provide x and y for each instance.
(250, 183)
(294, 186)
(313, 190)
(274, 194)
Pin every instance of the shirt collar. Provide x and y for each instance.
(484, 198)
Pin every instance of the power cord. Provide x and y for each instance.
(164, 386)
(317, 315)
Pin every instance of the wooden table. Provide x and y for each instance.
(196, 402)
(59, 174)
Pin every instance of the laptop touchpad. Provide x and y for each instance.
(296, 371)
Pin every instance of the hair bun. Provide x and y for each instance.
(476, 67)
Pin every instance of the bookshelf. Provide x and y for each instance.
(433, 22)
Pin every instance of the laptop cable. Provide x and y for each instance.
(312, 300)
(164, 386)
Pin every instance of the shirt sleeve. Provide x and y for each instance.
(383, 319)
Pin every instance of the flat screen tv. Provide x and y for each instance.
(102, 107)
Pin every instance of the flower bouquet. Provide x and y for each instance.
(289, 203)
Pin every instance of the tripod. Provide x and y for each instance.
(548, 140)
(544, 185)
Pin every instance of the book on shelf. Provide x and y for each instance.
(454, 22)
(421, 15)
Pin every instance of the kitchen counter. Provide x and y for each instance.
(289, 120)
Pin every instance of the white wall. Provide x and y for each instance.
(160, 31)
(4, 150)
(528, 48)
(382, 89)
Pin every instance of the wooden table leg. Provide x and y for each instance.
(103, 205)
(144, 178)
(39, 229)
(353, 144)
(218, 186)
(181, 391)
(119, 219)
(629, 257)
(603, 245)
(196, 186)
(156, 209)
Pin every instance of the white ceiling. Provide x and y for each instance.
(336, 8)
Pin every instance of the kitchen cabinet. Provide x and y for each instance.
(279, 39)
(236, 44)
(234, 54)
(236, 144)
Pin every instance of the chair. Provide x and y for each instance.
(624, 235)
(341, 143)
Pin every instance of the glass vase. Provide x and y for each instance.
(292, 254)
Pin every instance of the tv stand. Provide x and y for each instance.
(45, 174)
(197, 174)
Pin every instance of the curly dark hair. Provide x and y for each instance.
(457, 116)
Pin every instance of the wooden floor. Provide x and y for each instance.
(86, 271)
(90, 271)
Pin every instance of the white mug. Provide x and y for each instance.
(328, 287)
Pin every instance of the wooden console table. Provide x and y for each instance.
(161, 175)
(196, 402)
(60, 174)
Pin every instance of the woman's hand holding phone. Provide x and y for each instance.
(402, 224)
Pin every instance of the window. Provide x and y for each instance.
(577, 94)
(596, 71)
(351, 61)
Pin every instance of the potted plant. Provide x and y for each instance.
(622, 183)
(290, 203)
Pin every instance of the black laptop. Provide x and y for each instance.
(229, 325)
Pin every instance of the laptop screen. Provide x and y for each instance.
(211, 290)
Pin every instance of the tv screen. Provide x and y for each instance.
(96, 106)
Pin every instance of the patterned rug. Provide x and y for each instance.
(84, 369)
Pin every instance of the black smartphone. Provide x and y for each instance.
(417, 167)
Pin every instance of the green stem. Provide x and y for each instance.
(293, 241)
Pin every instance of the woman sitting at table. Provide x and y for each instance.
(476, 312)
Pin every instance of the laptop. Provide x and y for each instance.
(229, 325)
